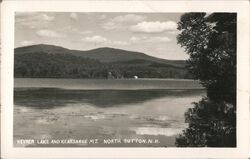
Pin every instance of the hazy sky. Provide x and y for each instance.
(150, 33)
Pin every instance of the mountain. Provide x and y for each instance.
(57, 62)
(104, 54)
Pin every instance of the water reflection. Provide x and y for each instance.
(46, 98)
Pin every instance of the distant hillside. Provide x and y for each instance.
(102, 54)
(42, 64)
(117, 55)
(41, 48)
(58, 62)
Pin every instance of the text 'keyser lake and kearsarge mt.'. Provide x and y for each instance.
(86, 141)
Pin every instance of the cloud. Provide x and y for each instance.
(122, 21)
(73, 16)
(45, 17)
(48, 33)
(135, 39)
(161, 39)
(161, 49)
(129, 18)
(103, 40)
(33, 19)
(111, 25)
(154, 27)
(68, 29)
(122, 43)
(174, 32)
(29, 16)
(144, 39)
(102, 17)
(86, 32)
(26, 42)
(21, 14)
(95, 39)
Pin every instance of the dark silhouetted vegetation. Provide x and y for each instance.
(210, 40)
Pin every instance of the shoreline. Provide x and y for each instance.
(108, 84)
(115, 79)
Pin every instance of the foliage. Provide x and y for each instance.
(61, 65)
(211, 43)
(42, 64)
(211, 124)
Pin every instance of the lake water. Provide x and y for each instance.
(102, 113)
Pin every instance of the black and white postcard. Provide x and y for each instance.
(148, 79)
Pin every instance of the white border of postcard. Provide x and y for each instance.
(7, 35)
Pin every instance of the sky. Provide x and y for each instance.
(151, 33)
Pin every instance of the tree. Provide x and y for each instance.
(210, 40)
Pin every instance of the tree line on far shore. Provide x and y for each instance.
(47, 65)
